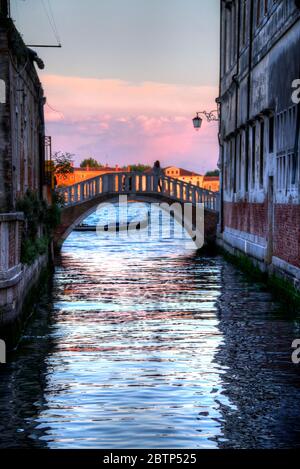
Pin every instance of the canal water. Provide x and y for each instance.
(145, 343)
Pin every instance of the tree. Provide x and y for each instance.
(215, 173)
(63, 164)
(139, 167)
(91, 163)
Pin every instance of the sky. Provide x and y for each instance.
(129, 78)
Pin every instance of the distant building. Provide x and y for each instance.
(82, 174)
(259, 131)
(206, 182)
(211, 183)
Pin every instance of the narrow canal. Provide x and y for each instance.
(149, 344)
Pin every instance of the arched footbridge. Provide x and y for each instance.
(83, 198)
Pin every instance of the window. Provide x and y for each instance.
(234, 163)
(261, 153)
(240, 143)
(280, 172)
(230, 181)
(233, 35)
(287, 160)
(244, 24)
(271, 134)
(257, 12)
(225, 44)
(225, 169)
(2, 92)
(253, 154)
(293, 159)
(247, 160)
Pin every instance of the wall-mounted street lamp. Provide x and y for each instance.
(210, 116)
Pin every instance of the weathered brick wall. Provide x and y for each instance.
(248, 217)
(253, 219)
(5, 149)
(287, 233)
(21, 120)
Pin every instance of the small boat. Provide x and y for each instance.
(130, 225)
(85, 227)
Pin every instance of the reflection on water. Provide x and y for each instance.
(149, 344)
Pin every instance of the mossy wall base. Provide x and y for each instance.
(284, 285)
(17, 301)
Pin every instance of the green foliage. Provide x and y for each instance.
(34, 210)
(28, 251)
(31, 249)
(139, 167)
(215, 173)
(42, 244)
(91, 163)
(38, 215)
(63, 164)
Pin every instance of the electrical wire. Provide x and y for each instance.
(54, 110)
(51, 20)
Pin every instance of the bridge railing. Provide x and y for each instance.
(130, 183)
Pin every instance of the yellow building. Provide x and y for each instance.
(206, 182)
(184, 175)
(211, 183)
(82, 174)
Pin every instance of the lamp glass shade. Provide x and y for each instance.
(197, 122)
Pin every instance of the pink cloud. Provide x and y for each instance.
(121, 122)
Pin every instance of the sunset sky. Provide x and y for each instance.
(129, 78)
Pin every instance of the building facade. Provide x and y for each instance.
(206, 182)
(21, 166)
(21, 118)
(82, 174)
(211, 183)
(259, 132)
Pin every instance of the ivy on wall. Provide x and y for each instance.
(40, 221)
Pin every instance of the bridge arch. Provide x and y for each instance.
(83, 198)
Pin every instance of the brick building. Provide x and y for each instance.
(21, 117)
(259, 132)
(21, 164)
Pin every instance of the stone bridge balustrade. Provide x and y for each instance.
(82, 198)
(137, 183)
